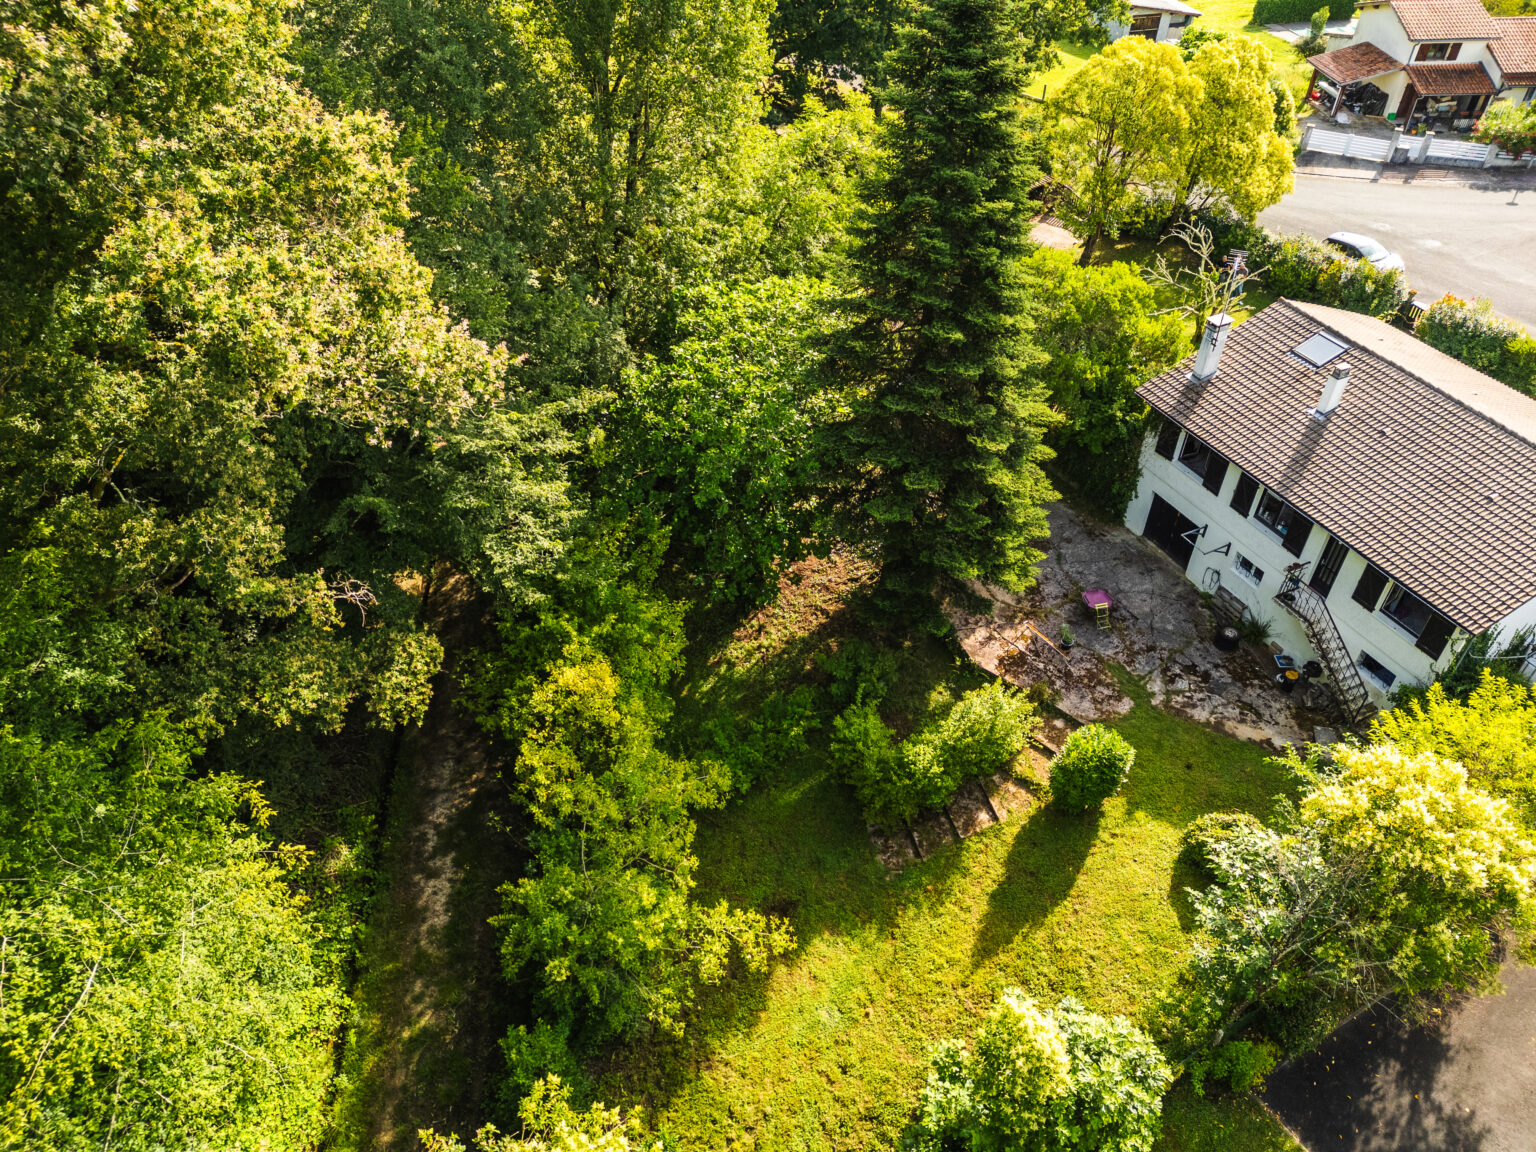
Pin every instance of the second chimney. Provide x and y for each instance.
(1333, 391)
(1212, 341)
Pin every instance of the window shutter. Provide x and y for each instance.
(1368, 590)
(1242, 497)
(1433, 639)
(1167, 439)
(1296, 538)
(1215, 473)
(1453, 52)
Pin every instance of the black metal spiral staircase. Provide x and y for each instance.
(1306, 604)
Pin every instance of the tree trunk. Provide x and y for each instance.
(1088, 246)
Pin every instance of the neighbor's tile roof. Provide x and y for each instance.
(1451, 79)
(1357, 62)
(1427, 468)
(1445, 19)
(1515, 49)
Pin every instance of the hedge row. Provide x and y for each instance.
(1299, 11)
(1473, 333)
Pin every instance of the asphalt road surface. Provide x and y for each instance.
(1463, 1085)
(1466, 239)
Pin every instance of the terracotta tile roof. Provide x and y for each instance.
(1450, 79)
(1445, 19)
(1515, 49)
(1357, 62)
(1427, 468)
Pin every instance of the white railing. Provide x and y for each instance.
(1401, 149)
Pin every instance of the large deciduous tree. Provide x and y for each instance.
(1103, 337)
(1119, 122)
(1231, 151)
(942, 453)
(162, 986)
(1393, 877)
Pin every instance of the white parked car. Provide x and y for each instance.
(1360, 247)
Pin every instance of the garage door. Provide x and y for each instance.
(1171, 531)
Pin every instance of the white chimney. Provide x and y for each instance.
(1333, 391)
(1208, 359)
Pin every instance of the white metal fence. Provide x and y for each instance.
(1401, 149)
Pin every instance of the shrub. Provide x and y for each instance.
(1256, 630)
(1241, 1065)
(1212, 829)
(1473, 333)
(1059, 1081)
(1090, 768)
(983, 731)
(1315, 42)
(864, 753)
(1511, 126)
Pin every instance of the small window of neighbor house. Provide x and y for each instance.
(1248, 570)
(1383, 676)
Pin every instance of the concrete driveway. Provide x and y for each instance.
(1464, 235)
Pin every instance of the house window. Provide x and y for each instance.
(1407, 611)
(1167, 440)
(1204, 462)
(1437, 52)
(1248, 570)
(1284, 521)
(1378, 672)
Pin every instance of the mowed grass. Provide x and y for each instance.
(827, 1051)
(1223, 15)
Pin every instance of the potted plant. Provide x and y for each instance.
(1067, 639)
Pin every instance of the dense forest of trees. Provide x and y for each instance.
(616, 309)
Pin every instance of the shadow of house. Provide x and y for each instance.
(1463, 1084)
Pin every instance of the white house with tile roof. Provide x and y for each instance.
(1371, 497)
(1441, 60)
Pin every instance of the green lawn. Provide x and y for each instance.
(1225, 15)
(827, 1050)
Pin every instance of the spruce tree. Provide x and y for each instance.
(942, 450)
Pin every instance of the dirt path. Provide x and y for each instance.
(429, 1006)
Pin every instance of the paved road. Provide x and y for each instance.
(1472, 240)
(1464, 1086)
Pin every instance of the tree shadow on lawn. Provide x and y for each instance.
(1042, 867)
(798, 849)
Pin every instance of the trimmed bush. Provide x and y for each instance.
(1298, 11)
(1475, 334)
(984, 731)
(1067, 1080)
(1090, 768)
(1207, 831)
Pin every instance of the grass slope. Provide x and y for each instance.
(827, 1051)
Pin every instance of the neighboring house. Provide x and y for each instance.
(1436, 60)
(1514, 57)
(1371, 497)
(1155, 19)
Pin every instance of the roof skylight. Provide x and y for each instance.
(1321, 349)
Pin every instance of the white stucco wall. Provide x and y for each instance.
(1379, 25)
(1360, 629)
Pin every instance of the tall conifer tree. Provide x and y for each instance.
(944, 444)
